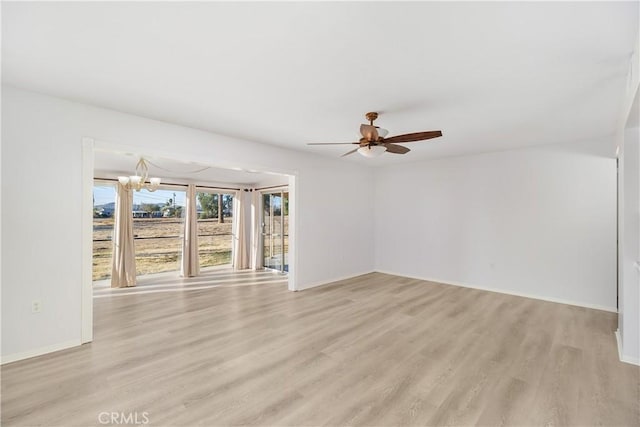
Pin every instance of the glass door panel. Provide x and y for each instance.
(266, 229)
(285, 231)
(275, 230)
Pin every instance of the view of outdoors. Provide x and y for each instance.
(158, 227)
(276, 230)
(214, 228)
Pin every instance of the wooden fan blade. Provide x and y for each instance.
(350, 152)
(417, 136)
(331, 143)
(370, 133)
(395, 149)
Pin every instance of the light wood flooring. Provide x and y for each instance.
(373, 350)
(209, 278)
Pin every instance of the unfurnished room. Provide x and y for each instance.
(320, 213)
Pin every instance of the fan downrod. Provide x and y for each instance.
(371, 117)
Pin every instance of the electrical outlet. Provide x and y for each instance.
(36, 306)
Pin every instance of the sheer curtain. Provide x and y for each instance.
(257, 260)
(190, 265)
(123, 269)
(240, 247)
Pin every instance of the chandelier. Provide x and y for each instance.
(138, 181)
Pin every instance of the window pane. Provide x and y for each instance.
(157, 229)
(104, 198)
(158, 226)
(214, 231)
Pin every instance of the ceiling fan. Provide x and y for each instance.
(373, 142)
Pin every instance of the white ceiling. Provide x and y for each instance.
(489, 75)
(109, 164)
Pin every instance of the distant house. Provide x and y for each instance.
(141, 214)
(105, 211)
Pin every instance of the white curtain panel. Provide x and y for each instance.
(257, 260)
(190, 265)
(240, 246)
(123, 269)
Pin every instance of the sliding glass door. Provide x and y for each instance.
(275, 230)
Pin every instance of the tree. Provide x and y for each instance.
(215, 205)
(285, 203)
(170, 209)
(228, 204)
(150, 207)
(220, 211)
(208, 203)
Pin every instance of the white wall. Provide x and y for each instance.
(41, 199)
(539, 222)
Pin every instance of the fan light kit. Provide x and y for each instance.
(137, 181)
(374, 142)
(372, 150)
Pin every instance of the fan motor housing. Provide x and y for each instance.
(371, 116)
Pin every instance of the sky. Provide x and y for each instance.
(107, 194)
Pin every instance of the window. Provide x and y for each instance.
(215, 212)
(158, 225)
(157, 228)
(104, 201)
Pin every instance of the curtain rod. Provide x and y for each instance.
(177, 185)
(273, 186)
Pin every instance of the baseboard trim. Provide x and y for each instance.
(622, 357)
(630, 360)
(328, 282)
(39, 351)
(501, 291)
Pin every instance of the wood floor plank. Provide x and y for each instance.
(232, 349)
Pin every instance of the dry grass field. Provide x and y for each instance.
(154, 254)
